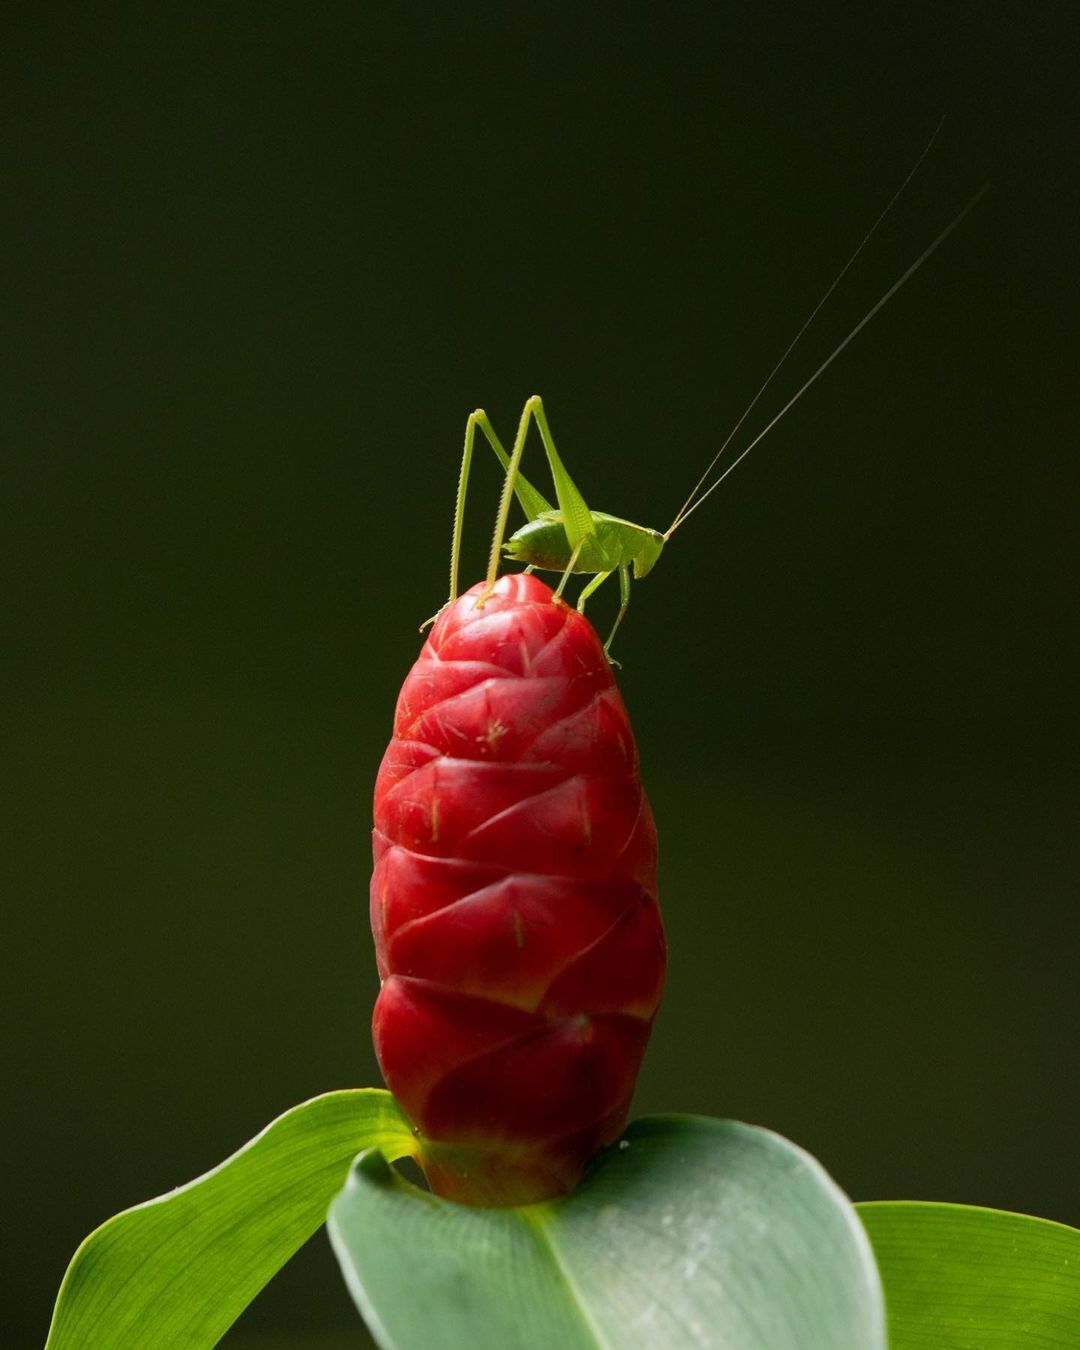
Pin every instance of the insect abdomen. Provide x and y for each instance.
(513, 900)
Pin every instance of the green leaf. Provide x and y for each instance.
(690, 1232)
(959, 1278)
(177, 1271)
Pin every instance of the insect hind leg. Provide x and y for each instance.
(479, 417)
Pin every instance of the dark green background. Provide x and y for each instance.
(260, 261)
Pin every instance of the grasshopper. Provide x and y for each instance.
(570, 537)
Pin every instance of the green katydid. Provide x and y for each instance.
(570, 537)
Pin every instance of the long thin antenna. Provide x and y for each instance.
(829, 360)
(684, 510)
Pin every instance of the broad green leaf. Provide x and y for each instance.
(959, 1278)
(690, 1232)
(177, 1271)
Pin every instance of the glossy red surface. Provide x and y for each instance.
(513, 901)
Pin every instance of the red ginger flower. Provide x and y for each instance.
(513, 901)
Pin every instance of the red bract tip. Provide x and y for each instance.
(513, 901)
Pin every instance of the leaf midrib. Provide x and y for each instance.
(534, 1217)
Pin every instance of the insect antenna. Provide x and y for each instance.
(687, 505)
(906, 276)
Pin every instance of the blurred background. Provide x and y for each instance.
(260, 261)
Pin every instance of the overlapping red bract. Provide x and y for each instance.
(513, 901)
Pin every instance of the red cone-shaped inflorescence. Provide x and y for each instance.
(514, 899)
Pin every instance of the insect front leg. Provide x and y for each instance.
(624, 592)
(624, 605)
